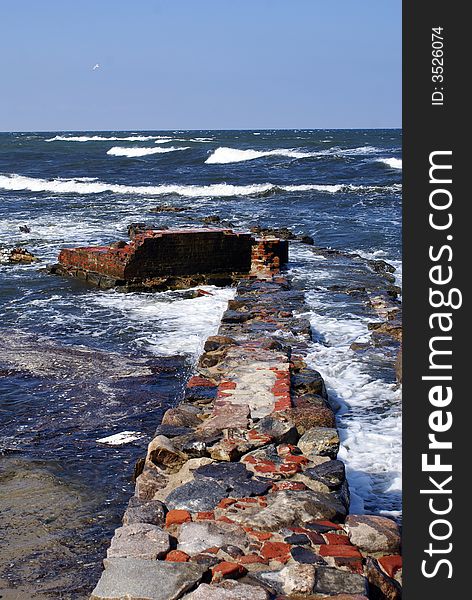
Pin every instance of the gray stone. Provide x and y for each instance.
(334, 581)
(198, 495)
(184, 415)
(373, 534)
(225, 471)
(279, 428)
(152, 512)
(308, 381)
(331, 473)
(195, 537)
(151, 480)
(235, 477)
(137, 579)
(197, 443)
(306, 556)
(298, 579)
(228, 590)
(139, 540)
(319, 441)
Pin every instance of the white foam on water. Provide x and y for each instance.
(133, 152)
(75, 186)
(224, 155)
(393, 163)
(369, 421)
(119, 439)
(99, 138)
(167, 324)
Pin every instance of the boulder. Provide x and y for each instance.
(298, 579)
(279, 427)
(137, 579)
(139, 540)
(162, 452)
(138, 511)
(149, 482)
(195, 537)
(320, 441)
(175, 480)
(373, 534)
(331, 474)
(184, 415)
(308, 381)
(307, 417)
(199, 495)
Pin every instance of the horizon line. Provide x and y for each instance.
(204, 129)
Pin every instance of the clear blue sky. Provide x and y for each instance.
(199, 64)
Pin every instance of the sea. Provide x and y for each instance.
(85, 374)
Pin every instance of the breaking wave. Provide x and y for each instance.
(393, 163)
(98, 138)
(224, 155)
(133, 152)
(78, 186)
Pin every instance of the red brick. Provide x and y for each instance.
(391, 564)
(177, 517)
(177, 556)
(338, 550)
(227, 570)
(250, 559)
(205, 516)
(275, 550)
(335, 538)
(226, 502)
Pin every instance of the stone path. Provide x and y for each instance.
(241, 496)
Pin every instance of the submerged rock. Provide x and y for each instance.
(17, 256)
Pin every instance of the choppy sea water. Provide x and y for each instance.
(78, 365)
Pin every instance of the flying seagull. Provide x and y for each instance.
(95, 67)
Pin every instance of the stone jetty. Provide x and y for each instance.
(241, 495)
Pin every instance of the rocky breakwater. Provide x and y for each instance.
(241, 495)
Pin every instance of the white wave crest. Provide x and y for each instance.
(99, 138)
(133, 152)
(393, 163)
(223, 156)
(77, 186)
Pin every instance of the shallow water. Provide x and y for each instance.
(79, 364)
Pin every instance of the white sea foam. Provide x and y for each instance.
(393, 163)
(370, 437)
(167, 325)
(369, 421)
(99, 138)
(224, 155)
(77, 186)
(134, 152)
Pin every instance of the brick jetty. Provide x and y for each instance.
(241, 495)
(173, 258)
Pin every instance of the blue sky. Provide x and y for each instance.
(199, 64)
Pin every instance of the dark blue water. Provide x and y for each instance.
(64, 342)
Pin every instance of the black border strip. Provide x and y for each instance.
(441, 127)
